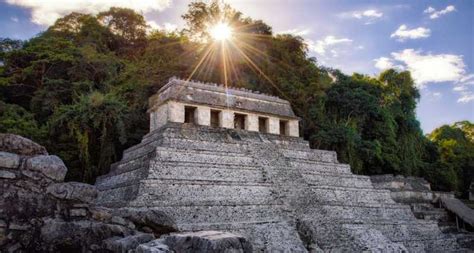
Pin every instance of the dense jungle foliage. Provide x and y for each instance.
(81, 87)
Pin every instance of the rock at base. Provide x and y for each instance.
(125, 244)
(13, 143)
(157, 221)
(155, 246)
(9, 160)
(73, 191)
(207, 241)
(49, 165)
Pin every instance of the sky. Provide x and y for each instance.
(432, 39)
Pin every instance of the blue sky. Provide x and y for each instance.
(433, 39)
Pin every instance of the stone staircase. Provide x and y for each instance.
(276, 191)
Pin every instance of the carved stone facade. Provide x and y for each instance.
(182, 101)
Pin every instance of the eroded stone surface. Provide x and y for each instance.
(13, 143)
(9, 160)
(207, 242)
(38, 214)
(50, 165)
(273, 190)
(73, 191)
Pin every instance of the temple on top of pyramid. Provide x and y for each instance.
(214, 105)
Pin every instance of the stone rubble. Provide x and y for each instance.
(41, 213)
(274, 190)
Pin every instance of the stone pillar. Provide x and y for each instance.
(273, 125)
(203, 116)
(175, 112)
(226, 119)
(293, 129)
(251, 124)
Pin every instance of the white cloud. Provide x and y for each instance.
(427, 68)
(45, 12)
(403, 33)
(296, 32)
(321, 46)
(433, 68)
(466, 97)
(469, 79)
(14, 19)
(460, 88)
(367, 13)
(369, 16)
(429, 10)
(465, 87)
(383, 63)
(434, 14)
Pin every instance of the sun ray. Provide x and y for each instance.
(247, 58)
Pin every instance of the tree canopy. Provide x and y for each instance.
(81, 89)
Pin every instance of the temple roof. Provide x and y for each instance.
(217, 95)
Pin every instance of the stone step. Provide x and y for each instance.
(308, 167)
(215, 157)
(437, 215)
(340, 237)
(120, 193)
(223, 213)
(112, 181)
(200, 172)
(416, 207)
(182, 192)
(362, 212)
(205, 145)
(334, 179)
(192, 165)
(311, 155)
(126, 165)
(398, 231)
(140, 149)
(435, 245)
(351, 195)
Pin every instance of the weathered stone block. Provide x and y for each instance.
(73, 191)
(13, 143)
(226, 119)
(126, 244)
(50, 165)
(155, 246)
(78, 212)
(157, 221)
(9, 160)
(203, 116)
(7, 174)
(273, 125)
(207, 242)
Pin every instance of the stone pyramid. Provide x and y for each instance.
(275, 190)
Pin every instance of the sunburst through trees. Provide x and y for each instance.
(232, 45)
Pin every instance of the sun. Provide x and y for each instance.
(221, 32)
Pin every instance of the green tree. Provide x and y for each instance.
(96, 124)
(454, 168)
